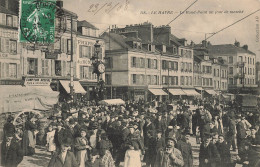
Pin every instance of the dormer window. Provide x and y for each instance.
(206, 57)
(149, 47)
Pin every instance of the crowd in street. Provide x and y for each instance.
(137, 134)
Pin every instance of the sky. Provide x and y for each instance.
(203, 17)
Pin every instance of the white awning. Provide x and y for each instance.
(77, 87)
(176, 92)
(199, 88)
(212, 92)
(112, 102)
(17, 98)
(157, 92)
(191, 92)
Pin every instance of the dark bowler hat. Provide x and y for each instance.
(71, 121)
(170, 138)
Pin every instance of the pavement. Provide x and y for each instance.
(41, 158)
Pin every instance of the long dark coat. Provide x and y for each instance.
(186, 151)
(70, 161)
(225, 156)
(210, 153)
(11, 156)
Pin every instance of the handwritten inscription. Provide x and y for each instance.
(108, 7)
(200, 12)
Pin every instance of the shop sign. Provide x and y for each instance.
(37, 81)
(50, 55)
(11, 82)
(86, 43)
(84, 62)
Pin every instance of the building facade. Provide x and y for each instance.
(10, 58)
(241, 65)
(87, 36)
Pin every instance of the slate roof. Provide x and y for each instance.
(227, 49)
(84, 23)
(175, 39)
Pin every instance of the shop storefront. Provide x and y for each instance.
(33, 93)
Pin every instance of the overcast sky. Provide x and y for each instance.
(190, 26)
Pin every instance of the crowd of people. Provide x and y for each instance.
(137, 134)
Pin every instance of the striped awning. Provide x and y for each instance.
(191, 92)
(177, 92)
(157, 92)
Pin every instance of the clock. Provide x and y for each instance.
(101, 68)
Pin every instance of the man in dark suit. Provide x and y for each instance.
(64, 158)
(11, 151)
(185, 147)
(148, 127)
(231, 133)
(224, 152)
(208, 155)
(241, 133)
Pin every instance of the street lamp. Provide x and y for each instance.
(98, 67)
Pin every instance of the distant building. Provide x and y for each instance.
(241, 65)
(10, 58)
(87, 36)
(148, 62)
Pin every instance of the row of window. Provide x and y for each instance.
(171, 80)
(217, 85)
(206, 69)
(249, 71)
(171, 65)
(8, 20)
(61, 68)
(187, 67)
(65, 24)
(207, 82)
(8, 70)
(186, 80)
(223, 73)
(8, 46)
(248, 60)
(64, 45)
(246, 81)
(140, 63)
(139, 79)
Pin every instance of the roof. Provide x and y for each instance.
(227, 49)
(175, 39)
(84, 23)
(69, 12)
(133, 39)
(6, 11)
(120, 39)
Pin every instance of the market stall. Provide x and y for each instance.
(110, 102)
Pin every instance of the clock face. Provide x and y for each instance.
(101, 68)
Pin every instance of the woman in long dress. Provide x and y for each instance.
(51, 146)
(133, 156)
(82, 146)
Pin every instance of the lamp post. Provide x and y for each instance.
(71, 60)
(98, 68)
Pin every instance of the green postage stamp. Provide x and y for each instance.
(37, 21)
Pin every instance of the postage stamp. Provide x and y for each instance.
(37, 21)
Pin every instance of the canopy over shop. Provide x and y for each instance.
(77, 87)
(191, 92)
(16, 98)
(177, 92)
